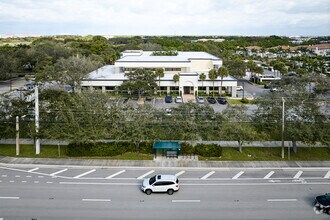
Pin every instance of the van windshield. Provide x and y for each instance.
(152, 180)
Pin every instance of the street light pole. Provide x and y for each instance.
(283, 101)
(36, 98)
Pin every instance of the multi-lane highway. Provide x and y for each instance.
(50, 192)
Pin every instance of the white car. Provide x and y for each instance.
(200, 99)
(178, 99)
(160, 183)
(239, 88)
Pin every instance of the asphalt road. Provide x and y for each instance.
(50, 192)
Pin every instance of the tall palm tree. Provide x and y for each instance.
(176, 79)
(159, 73)
(222, 72)
(213, 76)
(202, 77)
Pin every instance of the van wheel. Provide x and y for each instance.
(170, 191)
(148, 191)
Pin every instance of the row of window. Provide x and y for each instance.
(163, 88)
(125, 69)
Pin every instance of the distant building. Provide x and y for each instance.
(207, 39)
(188, 65)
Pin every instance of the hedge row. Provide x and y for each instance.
(102, 149)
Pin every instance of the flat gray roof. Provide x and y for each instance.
(183, 56)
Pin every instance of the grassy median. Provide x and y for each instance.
(228, 154)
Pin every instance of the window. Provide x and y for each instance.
(172, 69)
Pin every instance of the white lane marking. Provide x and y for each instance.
(28, 176)
(207, 175)
(36, 181)
(34, 169)
(40, 176)
(180, 173)
(24, 181)
(269, 175)
(11, 181)
(115, 174)
(96, 200)
(89, 183)
(61, 171)
(49, 182)
(186, 200)
(17, 176)
(146, 174)
(327, 175)
(281, 200)
(84, 174)
(238, 175)
(7, 197)
(298, 174)
(3, 175)
(0, 181)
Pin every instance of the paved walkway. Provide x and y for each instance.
(163, 163)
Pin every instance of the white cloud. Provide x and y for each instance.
(201, 17)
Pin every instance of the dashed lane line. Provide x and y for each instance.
(298, 174)
(327, 175)
(34, 169)
(58, 172)
(84, 174)
(115, 174)
(3, 175)
(207, 175)
(269, 175)
(8, 197)
(238, 175)
(146, 174)
(180, 173)
(186, 200)
(96, 200)
(281, 200)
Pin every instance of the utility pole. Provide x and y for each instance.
(283, 101)
(17, 135)
(36, 99)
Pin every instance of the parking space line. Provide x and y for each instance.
(298, 174)
(281, 200)
(61, 171)
(34, 169)
(180, 173)
(327, 175)
(146, 174)
(115, 174)
(238, 175)
(84, 174)
(207, 175)
(269, 175)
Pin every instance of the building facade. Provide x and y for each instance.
(188, 65)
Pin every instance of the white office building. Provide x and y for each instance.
(188, 65)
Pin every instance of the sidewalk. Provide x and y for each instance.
(163, 163)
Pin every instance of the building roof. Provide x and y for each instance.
(183, 56)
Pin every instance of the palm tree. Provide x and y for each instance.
(202, 77)
(213, 76)
(159, 73)
(222, 72)
(176, 79)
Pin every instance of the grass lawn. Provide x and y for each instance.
(272, 154)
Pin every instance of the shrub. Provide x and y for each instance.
(244, 100)
(186, 148)
(208, 150)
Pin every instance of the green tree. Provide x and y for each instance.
(236, 67)
(213, 76)
(202, 77)
(159, 74)
(140, 82)
(222, 72)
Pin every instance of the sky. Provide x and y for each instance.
(165, 17)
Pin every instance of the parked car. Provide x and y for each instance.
(222, 100)
(200, 99)
(211, 100)
(160, 183)
(178, 99)
(239, 88)
(168, 99)
(322, 203)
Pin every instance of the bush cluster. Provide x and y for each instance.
(205, 150)
(102, 149)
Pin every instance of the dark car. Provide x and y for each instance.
(211, 100)
(168, 99)
(222, 100)
(322, 203)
